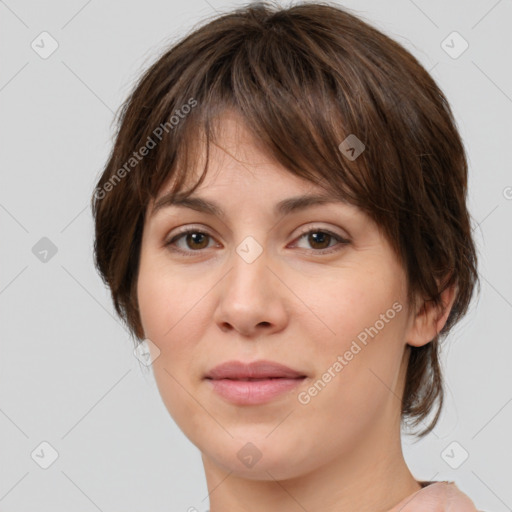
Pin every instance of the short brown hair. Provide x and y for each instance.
(303, 78)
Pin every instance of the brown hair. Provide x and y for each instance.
(303, 78)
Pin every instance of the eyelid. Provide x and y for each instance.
(189, 228)
(341, 241)
(310, 228)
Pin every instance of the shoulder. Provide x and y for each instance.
(437, 497)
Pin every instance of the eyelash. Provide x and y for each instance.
(341, 241)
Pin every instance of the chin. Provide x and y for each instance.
(259, 460)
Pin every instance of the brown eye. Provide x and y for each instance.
(319, 239)
(194, 239)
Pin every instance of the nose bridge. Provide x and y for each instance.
(248, 282)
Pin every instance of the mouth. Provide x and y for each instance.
(257, 370)
(254, 383)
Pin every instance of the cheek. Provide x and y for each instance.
(174, 314)
(358, 305)
(359, 360)
(171, 313)
(167, 300)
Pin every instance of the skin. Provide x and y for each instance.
(293, 305)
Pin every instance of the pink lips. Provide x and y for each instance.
(253, 383)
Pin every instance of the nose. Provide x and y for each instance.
(251, 298)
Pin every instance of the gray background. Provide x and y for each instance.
(68, 375)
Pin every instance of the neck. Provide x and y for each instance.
(373, 477)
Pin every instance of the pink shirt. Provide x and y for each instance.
(436, 497)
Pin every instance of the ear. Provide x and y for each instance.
(429, 319)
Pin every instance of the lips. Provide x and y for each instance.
(257, 370)
(256, 383)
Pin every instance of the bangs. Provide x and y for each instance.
(297, 104)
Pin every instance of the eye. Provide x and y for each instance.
(194, 239)
(320, 239)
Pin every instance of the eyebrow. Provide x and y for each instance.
(284, 207)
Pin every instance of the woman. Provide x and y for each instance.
(283, 220)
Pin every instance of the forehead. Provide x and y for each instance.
(238, 161)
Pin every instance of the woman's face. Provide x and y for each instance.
(330, 305)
